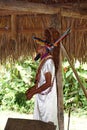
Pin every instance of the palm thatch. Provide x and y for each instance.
(21, 19)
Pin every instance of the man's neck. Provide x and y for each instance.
(44, 55)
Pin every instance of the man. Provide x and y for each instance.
(45, 87)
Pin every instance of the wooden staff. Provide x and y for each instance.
(75, 72)
(69, 114)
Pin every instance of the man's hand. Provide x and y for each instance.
(30, 92)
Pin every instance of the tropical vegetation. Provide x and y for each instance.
(16, 77)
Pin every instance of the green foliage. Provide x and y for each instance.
(15, 79)
(73, 94)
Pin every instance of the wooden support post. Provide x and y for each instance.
(56, 23)
(60, 95)
(13, 27)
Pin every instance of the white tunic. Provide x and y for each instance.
(46, 105)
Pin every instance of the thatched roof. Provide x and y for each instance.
(21, 19)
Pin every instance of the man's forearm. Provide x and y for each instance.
(42, 88)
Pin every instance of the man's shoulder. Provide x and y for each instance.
(48, 61)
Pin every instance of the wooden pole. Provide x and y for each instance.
(69, 114)
(13, 27)
(75, 72)
(60, 95)
(68, 10)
